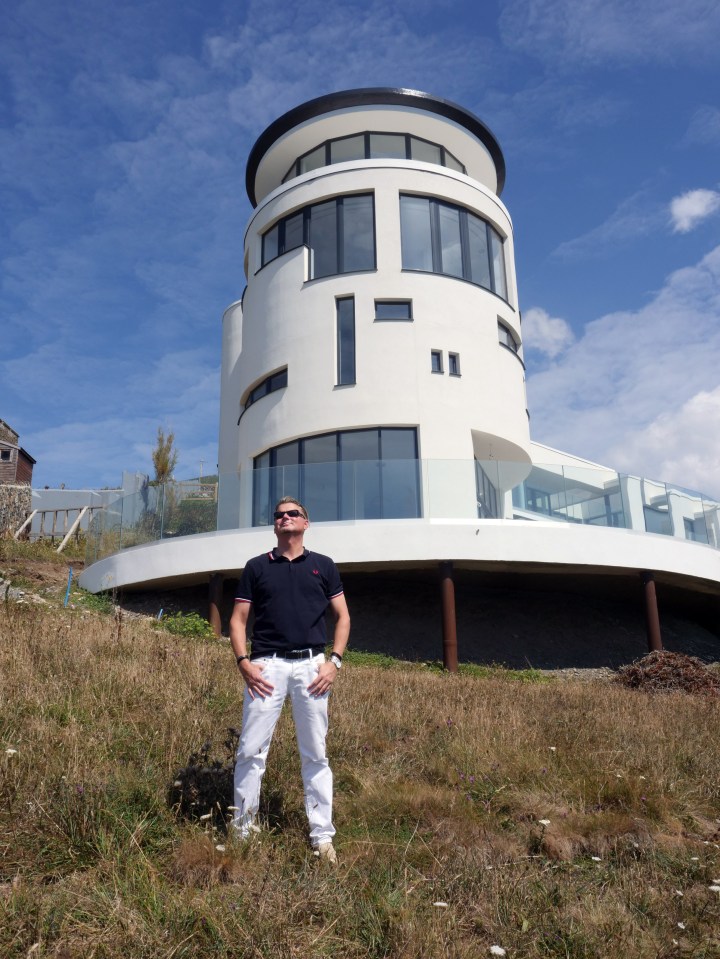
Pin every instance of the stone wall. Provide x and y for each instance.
(15, 506)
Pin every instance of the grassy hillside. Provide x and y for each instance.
(547, 819)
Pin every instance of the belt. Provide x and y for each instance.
(290, 654)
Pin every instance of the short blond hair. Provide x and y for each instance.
(296, 502)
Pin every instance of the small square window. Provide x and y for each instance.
(436, 361)
(393, 310)
(454, 364)
(5, 456)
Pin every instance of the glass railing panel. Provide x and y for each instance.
(407, 488)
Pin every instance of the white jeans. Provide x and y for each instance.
(310, 713)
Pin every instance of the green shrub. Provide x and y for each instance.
(187, 624)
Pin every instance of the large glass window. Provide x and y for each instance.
(340, 234)
(438, 237)
(345, 336)
(416, 234)
(368, 146)
(353, 474)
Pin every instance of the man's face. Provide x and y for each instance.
(286, 522)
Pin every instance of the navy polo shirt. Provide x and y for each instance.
(289, 599)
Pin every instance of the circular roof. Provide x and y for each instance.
(371, 96)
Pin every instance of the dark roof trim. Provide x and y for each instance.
(372, 96)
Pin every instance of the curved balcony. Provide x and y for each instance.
(399, 489)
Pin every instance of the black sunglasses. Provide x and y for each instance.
(288, 512)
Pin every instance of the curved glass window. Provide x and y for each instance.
(373, 146)
(276, 381)
(507, 338)
(352, 474)
(340, 234)
(438, 237)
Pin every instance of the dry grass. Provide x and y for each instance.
(558, 819)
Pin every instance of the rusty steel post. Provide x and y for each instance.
(652, 617)
(215, 595)
(449, 621)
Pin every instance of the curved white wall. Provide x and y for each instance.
(286, 320)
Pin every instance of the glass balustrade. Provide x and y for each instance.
(407, 489)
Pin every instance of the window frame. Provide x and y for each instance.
(345, 371)
(295, 167)
(436, 354)
(280, 229)
(453, 360)
(394, 319)
(494, 241)
(264, 496)
(265, 387)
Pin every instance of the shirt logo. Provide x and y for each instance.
(316, 572)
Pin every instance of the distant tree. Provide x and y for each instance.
(164, 456)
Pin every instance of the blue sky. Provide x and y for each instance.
(124, 131)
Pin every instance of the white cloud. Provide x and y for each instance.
(567, 32)
(546, 334)
(689, 209)
(678, 444)
(626, 392)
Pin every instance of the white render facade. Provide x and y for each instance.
(428, 292)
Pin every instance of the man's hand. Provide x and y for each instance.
(324, 679)
(253, 676)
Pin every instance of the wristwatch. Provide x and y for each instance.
(336, 660)
(239, 659)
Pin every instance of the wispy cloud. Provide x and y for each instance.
(690, 209)
(547, 334)
(593, 32)
(636, 216)
(622, 392)
(704, 128)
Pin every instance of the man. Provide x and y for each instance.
(289, 589)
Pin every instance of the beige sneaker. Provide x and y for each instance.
(326, 852)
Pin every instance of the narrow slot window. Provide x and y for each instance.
(454, 364)
(345, 335)
(436, 361)
(393, 310)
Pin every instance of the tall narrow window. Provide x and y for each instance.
(454, 364)
(436, 364)
(345, 335)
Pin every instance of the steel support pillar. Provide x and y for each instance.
(215, 595)
(652, 617)
(449, 621)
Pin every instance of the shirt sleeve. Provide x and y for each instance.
(246, 585)
(334, 583)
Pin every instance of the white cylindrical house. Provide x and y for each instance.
(376, 353)
(374, 370)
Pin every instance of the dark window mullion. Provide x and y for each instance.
(491, 265)
(366, 137)
(435, 245)
(465, 245)
(408, 147)
(339, 236)
(306, 227)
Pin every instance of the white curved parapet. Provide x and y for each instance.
(481, 544)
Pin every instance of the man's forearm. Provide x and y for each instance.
(341, 635)
(238, 632)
